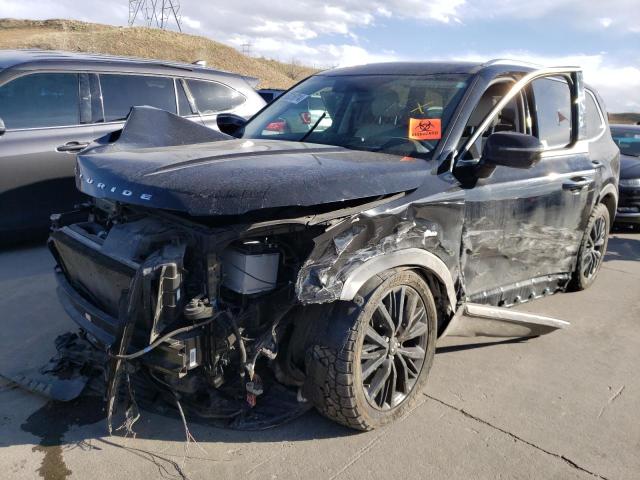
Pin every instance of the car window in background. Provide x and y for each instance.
(553, 109)
(595, 124)
(628, 140)
(121, 92)
(213, 97)
(400, 114)
(40, 100)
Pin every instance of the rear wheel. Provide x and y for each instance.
(371, 368)
(593, 248)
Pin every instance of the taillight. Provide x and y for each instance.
(305, 117)
(279, 126)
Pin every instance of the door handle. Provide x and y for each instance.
(72, 146)
(597, 164)
(577, 184)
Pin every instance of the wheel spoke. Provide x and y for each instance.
(382, 308)
(416, 353)
(403, 373)
(372, 353)
(411, 311)
(418, 330)
(379, 379)
(371, 365)
(375, 337)
(400, 314)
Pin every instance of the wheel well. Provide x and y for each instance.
(609, 201)
(439, 292)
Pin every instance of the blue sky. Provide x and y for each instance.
(601, 36)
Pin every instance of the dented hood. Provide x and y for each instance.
(214, 175)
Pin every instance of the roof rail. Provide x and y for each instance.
(508, 61)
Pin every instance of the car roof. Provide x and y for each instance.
(626, 126)
(429, 68)
(31, 58)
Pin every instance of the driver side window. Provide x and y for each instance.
(512, 118)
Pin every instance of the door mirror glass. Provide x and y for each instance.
(512, 149)
(2, 127)
(231, 124)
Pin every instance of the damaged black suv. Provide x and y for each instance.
(315, 258)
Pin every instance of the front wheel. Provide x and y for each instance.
(374, 361)
(592, 248)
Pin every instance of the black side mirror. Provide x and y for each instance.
(231, 124)
(512, 149)
(2, 127)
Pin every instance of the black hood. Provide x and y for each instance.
(149, 164)
(629, 166)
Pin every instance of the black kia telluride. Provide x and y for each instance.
(316, 258)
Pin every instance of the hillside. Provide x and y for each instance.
(144, 42)
(630, 118)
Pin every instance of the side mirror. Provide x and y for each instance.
(512, 149)
(2, 127)
(231, 124)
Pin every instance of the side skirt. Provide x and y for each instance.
(475, 320)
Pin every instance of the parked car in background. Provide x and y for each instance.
(628, 139)
(53, 104)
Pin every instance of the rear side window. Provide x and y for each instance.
(40, 100)
(121, 92)
(213, 97)
(595, 123)
(553, 111)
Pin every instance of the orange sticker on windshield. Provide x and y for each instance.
(425, 129)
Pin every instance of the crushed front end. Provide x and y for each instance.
(190, 311)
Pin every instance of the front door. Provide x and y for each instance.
(523, 227)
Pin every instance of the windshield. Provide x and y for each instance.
(628, 140)
(399, 114)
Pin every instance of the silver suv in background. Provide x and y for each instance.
(53, 104)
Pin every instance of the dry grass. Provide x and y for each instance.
(144, 42)
(628, 118)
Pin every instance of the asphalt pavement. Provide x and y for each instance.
(566, 405)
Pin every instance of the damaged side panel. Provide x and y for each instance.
(431, 227)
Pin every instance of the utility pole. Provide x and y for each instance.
(246, 48)
(155, 13)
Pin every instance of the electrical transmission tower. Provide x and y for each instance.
(155, 13)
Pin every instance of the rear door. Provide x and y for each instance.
(46, 125)
(523, 227)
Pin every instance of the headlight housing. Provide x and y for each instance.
(630, 182)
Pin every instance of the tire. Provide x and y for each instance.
(592, 248)
(353, 356)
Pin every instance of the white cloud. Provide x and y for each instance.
(617, 84)
(581, 13)
(191, 23)
(606, 22)
(318, 33)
